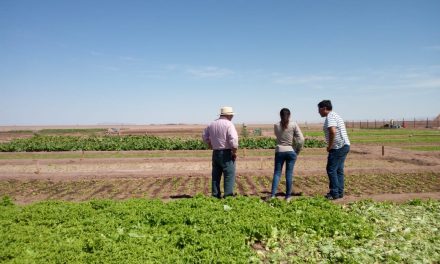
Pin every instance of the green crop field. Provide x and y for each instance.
(109, 143)
(207, 230)
(155, 218)
(393, 136)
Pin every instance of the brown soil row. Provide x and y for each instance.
(357, 186)
(369, 174)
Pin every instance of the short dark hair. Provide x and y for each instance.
(325, 103)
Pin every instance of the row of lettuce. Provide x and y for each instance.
(207, 230)
(109, 143)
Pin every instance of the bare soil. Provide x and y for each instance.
(399, 175)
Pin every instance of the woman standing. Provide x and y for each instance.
(290, 140)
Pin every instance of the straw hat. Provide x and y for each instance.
(226, 110)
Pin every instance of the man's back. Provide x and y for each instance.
(221, 134)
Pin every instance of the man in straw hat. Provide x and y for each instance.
(222, 138)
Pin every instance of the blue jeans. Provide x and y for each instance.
(222, 163)
(335, 170)
(289, 158)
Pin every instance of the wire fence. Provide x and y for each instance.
(394, 123)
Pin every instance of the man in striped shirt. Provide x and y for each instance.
(338, 146)
(222, 138)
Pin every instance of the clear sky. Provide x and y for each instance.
(162, 61)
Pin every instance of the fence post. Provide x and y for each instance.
(427, 123)
(414, 122)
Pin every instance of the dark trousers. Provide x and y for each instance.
(335, 170)
(222, 163)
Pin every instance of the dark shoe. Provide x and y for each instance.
(330, 197)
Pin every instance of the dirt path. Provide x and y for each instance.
(397, 176)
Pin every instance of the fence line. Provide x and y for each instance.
(394, 123)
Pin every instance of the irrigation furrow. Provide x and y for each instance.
(197, 186)
(102, 191)
(253, 187)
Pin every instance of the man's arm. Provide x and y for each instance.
(205, 137)
(233, 140)
(331, 137)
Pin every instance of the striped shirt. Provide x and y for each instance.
(341, 137)
(221, 134)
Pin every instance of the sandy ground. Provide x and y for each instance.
(397, 176)
(362, 159)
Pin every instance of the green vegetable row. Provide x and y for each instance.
(200, 230)
(111, 143)
(208, 230)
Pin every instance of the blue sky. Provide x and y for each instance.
(158, 62)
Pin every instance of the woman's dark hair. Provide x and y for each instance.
(326, 103)
(285, 116)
